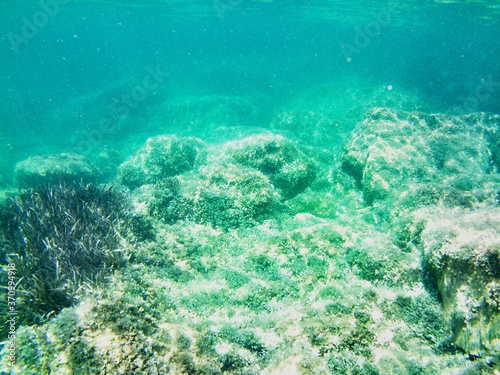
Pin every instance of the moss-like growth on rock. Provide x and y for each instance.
(347, 363)
(461, 259)
(161, 157)
(244, 338)
(55, 169)
(408, 235)
(424, 315)
(233, 197)
(411, 155)
(167, 202)
(232, 362)
(206, 342)
(142, 228)
(288, 168)
(366, 266)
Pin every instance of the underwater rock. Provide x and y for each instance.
(220, 193)
(55, 169)
(234, 196)
(287, 167)
(159, 158)
(165, 200)
(116, 337)
(462, 266)
(394, 154)
(326, 114)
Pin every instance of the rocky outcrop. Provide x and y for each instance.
(287, 167)
(461, 262)
(159, 158)
(55, 169)
(423, 158)
(442, 171)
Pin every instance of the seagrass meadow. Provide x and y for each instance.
(250, 187)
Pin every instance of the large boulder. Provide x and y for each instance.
(287, 167)
(428, 158)
(231, 196)
(462, 266)
(159, 158)
(55, 169)
(224, 196)
(326, 114)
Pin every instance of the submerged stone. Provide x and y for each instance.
(394, 154)
(234, 196)
(55, 169)
(159, 158)
(287, 167)
(462, 264)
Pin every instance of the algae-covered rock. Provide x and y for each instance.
(226, 277)
(218, 194)
(326, 114)
(234, 196)
(462, 264)
(432, 163)
(55, 169)
(393, 154)
(287, 167)
(118, 337)
(160, 157)
(167, 202)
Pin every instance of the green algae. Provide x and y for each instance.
(255, 253)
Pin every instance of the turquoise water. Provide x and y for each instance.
(277, 187)
(440, 50)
